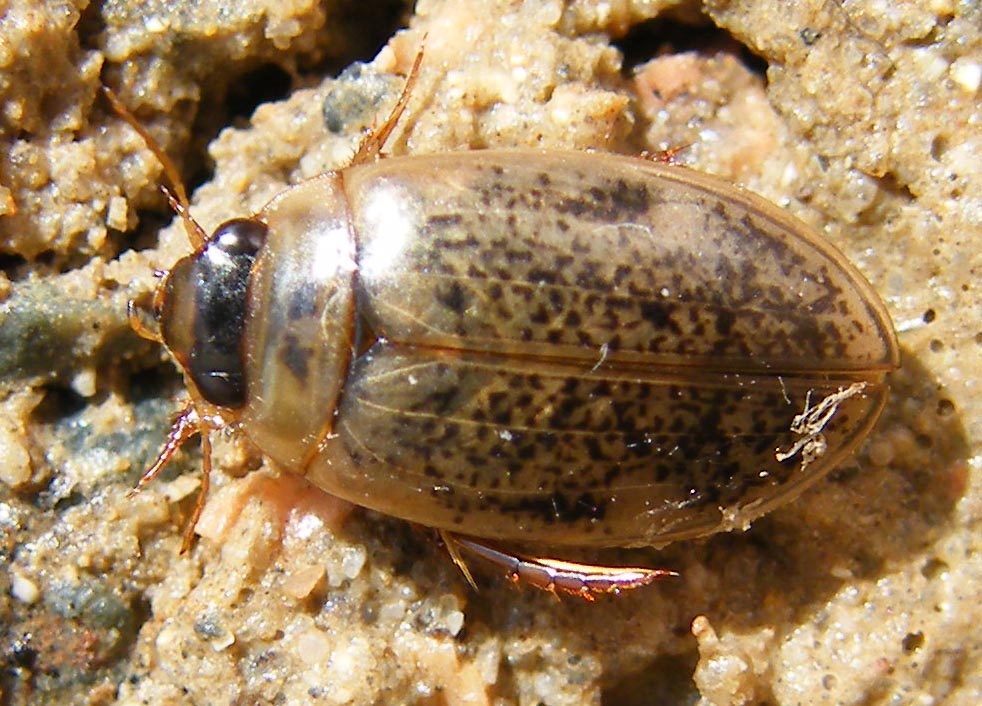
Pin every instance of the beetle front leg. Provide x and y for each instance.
(187, 424)
(199, 504)
(586, 581)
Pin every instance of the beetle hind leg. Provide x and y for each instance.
(586, 581)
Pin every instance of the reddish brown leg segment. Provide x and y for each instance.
(664, 156)
(583, 580)
(371, 145)
(199, 504)
(187, 424)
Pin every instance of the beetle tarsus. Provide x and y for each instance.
(586, 581)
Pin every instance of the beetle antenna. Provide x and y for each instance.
(178, 200)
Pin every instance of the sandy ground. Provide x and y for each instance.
(863, 119)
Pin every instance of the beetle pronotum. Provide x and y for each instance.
(541, 347)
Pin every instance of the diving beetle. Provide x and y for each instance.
(527, 346)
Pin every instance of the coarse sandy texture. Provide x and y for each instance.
(862, 119)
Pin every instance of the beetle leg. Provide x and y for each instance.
(666, 156)
(138, 319)
(187, 424)
(450, 541)
(371, 145)
(587, 581)
(199, 504)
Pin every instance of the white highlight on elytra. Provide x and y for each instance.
(390, 216)
(332, 253)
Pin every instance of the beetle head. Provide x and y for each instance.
(201, 309)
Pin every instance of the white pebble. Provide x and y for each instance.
(967, 73)
(15, 461)
(24, 589)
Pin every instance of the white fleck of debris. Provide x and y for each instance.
(117, 213)
(604, 350)
(308, 525)
(154, 24)
(812, 421)
(353, 561)
(23, 589)
(15, 458)
(966, 73)
(84, 383)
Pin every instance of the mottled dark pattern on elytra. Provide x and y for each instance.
(553, 445)
(295, 357)
(646, 269)
(303, 302)
(585, 349)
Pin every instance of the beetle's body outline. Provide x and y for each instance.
(350, 219)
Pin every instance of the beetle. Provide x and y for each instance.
(526, 347)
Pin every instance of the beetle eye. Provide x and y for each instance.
(239, 236)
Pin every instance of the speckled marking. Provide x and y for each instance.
(613, 265)
(296, 357)
(580, 349)
(539, 439)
